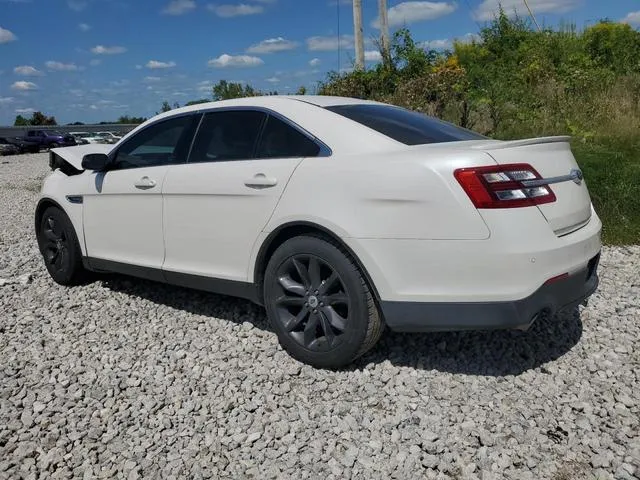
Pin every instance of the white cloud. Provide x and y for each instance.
(27, 71)
(93, 107)
(24, 86)
(84, 27)
(61, 67)
(205, 86)
(25, 110)
(151, 79)
(154, 64)
(102, 50)
(372, 56)
(138, 67)
(328, 44)
(411, 12)
(6, 36)
(273, 80)
(225, 60)
(633, 18)
(314, 62)
(179, 7)
(95, 62)
(469, 38)
(441, 44)
(77, 5)
(272, 45)
(489, 8)
(5, 100)
(228, 11)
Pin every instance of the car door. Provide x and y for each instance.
(217, 204)
(122, 212)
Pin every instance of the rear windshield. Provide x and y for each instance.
(410, 128)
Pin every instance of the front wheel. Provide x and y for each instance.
(60, 249)
(319, 303)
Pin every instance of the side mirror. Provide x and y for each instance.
(96, 161)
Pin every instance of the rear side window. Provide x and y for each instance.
(406, 126)
(227, 135)
(280, 140)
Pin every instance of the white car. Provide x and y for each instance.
(108, 137)
(339, 215)
(84, 138)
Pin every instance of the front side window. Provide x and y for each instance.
(406, 126)
(280, 140)
(163, 143)
(227, 135)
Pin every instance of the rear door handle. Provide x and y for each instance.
(260, 180)
(145, 183)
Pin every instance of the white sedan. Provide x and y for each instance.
(340, 216)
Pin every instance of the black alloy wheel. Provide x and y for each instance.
(319, 303)
(312, 305)
(60, 248)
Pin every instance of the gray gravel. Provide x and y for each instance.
(124, 378)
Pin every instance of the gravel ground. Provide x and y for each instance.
(125, 378)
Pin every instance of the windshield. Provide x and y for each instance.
(406, 126)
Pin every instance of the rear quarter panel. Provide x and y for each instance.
(404, 194)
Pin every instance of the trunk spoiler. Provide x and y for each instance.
(500, 144)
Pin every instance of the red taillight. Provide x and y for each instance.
(501, 186)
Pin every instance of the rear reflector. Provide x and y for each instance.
(557, 278)
(500, 186)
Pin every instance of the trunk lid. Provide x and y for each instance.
(551, 157)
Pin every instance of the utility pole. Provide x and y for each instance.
(384, 31)
(526, 4)
(357, 30)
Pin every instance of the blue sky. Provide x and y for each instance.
(92, 60)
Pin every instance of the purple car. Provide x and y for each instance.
(50, 138)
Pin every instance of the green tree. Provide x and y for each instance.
(302, 90)
(224, 90)
(20, 121)
(39, 119)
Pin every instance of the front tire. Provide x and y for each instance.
(60, 248)
(319, 303)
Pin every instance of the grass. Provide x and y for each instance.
(612, 172)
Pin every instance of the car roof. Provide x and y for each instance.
(272, 101)
(307, 112)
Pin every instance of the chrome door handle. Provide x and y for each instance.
(145, 183)
(260, 180)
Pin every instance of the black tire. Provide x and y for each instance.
(327, 316)
(53, 145)
(60, 248)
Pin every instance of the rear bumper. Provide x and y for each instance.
(549, 298)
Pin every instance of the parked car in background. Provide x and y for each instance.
(7, 148)
(23, 145)
(109, 137)
(339, 215)
(84, 138)
(50, 138)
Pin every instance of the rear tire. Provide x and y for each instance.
(60, 248)
(319, 303)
